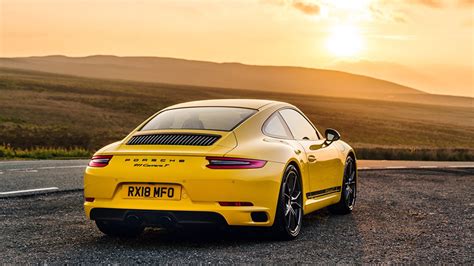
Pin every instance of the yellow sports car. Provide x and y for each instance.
(220, 162)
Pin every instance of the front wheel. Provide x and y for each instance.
(348, 191)
(289, 213)
(119, 229)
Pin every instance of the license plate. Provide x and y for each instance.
(158, 191)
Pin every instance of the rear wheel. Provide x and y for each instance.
(289, 213)
(348, 191)
(119, 229)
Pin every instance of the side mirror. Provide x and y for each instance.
(332, 135)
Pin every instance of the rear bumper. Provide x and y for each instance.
(158, 218)
(151, 212)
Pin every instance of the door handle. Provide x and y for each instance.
(312, 158)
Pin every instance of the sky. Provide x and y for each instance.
(427, 44)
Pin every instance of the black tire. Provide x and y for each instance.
(119, 229)
(348, 190)
(289, 213)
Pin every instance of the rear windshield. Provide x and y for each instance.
(209, 118)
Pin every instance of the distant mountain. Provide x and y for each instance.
(230, 75)
(438, 79)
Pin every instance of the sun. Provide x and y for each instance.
(344, 41)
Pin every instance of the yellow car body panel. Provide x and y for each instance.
(203, 188)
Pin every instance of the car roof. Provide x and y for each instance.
(245, 103)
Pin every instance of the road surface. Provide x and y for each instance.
(419, 216)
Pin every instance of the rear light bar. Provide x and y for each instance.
(234, 163)
(235, 204)
(100, 160)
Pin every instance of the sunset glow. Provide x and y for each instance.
(344, 41)
(427, 45)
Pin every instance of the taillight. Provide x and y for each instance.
(233, 163)
(100, 160)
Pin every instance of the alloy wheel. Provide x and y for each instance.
(292, 195)
(350, 183)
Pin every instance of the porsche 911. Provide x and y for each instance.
(221, 163)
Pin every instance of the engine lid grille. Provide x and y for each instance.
(174, 139)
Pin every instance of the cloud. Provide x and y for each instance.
(306, 7)
(440, 3)
(383, 12)
(429, 3)
(390, 10)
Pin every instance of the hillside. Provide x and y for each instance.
(231, 75)
(437, 79)
(41, 109)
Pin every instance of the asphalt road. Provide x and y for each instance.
(34, 177)
(18, 176)
(401, 216)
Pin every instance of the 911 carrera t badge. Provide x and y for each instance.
(154, 162)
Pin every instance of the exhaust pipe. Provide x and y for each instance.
(133, 220)
(167, 222)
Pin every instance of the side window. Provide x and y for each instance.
(299, 126)
(275, 127)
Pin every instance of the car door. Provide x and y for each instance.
(321, 159)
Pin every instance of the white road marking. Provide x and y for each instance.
(428, 166)
(34, 170)
(26, 170)
(363, 168)
(62, 167)
(460, 166)
(396, 167)
(1, 173)
(18, 169)
(29, 190)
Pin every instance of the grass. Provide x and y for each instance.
(69, 113)
(43, 153)
(416, 154)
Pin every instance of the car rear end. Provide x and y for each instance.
(173, 176)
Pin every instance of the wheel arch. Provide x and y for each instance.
(295, 163)
(303, 176)
(351, 154)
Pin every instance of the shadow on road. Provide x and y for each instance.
(325, 238)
